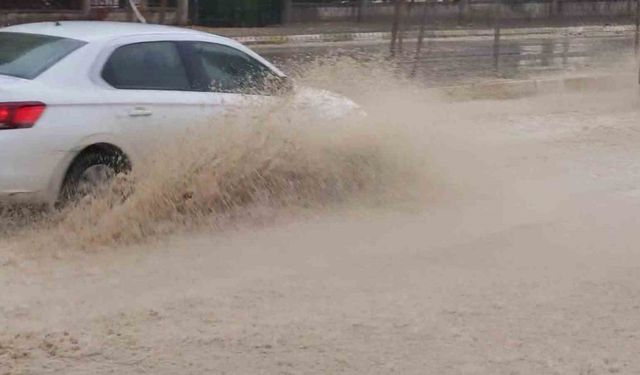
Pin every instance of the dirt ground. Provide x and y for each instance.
(527, 264)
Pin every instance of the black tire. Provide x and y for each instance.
(71, 191)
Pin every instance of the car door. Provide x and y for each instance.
(151, 95)
(231, 81)
(159, 89)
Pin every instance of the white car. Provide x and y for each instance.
(79, 100)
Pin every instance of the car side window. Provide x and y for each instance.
(147, 66)
(227, 70)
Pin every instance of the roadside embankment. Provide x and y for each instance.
(302, 34)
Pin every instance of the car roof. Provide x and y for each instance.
(91, 31)
(104, 32)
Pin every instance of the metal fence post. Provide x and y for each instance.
(497, 14)
(637, 40)
(421, 35)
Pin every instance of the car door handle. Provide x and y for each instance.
(140, 112)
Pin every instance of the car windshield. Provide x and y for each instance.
(28, 55)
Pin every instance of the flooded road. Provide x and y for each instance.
(516, 253)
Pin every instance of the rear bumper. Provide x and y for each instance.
(30, 172)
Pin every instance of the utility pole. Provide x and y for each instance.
(182, 12)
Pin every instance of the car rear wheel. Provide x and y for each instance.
(90, 174)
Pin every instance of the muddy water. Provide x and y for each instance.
(283, 154)
(449, 237)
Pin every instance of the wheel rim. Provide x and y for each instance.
(94, 179)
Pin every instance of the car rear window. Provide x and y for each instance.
(29, 55)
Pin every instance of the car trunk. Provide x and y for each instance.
(10, 88)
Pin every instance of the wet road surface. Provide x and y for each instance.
(527, 263)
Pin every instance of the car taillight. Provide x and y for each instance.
(20, 115)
